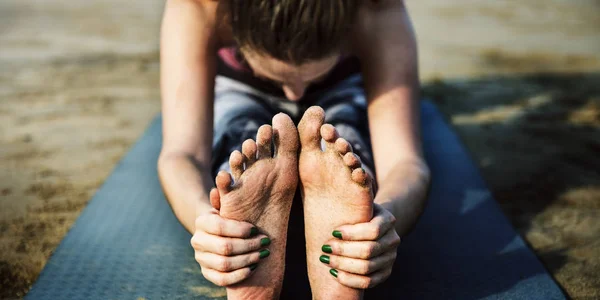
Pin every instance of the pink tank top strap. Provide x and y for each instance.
(233, 58)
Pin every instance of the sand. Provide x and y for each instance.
(519, 80)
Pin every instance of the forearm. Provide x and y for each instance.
(186, 184)
(404, 193)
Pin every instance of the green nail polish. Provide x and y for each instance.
(326, 249)
(324, 259)
(264, 253)
(265, 242)
(337, 234)
(253, 266)
(333, 272)
(253, 231)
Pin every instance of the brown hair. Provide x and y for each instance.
(294, 31)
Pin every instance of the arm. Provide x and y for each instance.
(188, 47)
(224, 248)
(392, 87)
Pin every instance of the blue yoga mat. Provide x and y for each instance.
(127, 244)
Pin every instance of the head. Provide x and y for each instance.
(291, 42)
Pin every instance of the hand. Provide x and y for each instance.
(362, 256)
(227, 250)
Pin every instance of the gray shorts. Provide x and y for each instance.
(241, 109)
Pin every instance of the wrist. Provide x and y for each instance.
(203, 207)
(404, 195)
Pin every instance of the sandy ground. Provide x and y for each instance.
(519, 80)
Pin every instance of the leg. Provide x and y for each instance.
(261, 189)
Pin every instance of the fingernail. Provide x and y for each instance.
(326, 249)
(265, 242)
(333, 272)
(324, 259)
(264, 253)
(253, 266)
(337, 234)
(253, 231)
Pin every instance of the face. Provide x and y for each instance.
(293, 79)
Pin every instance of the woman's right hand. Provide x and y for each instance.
(227, 250)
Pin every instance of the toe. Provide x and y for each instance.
(352, 160)
(249, 151)
(215, 199)
(309, 128)
(263, 141)
(223, 181)
(236, 163)
(360, 176)
(285, 135)
(342, 146)
(330, 135)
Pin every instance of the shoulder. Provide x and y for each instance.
(207, 16)
(378, 22)
(374, 14)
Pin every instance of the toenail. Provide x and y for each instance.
(337, 234)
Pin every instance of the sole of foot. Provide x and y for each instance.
(260, 190)
(336, 191)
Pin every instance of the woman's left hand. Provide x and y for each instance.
(362, 255)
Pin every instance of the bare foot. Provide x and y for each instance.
(262, 192)
(336, 191)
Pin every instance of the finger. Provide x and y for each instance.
(363, 249)
(229, 263)
(227, 278)
(361, 281)
(370, 231)
(217, 225)
(202, 241)
(359, 266)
